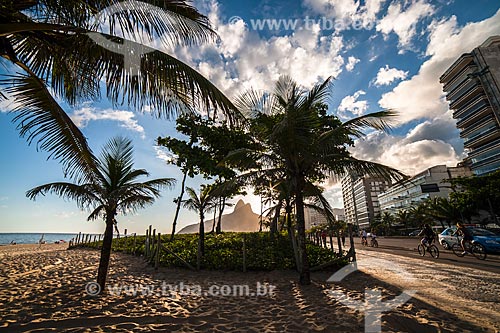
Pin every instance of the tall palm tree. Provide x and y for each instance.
(115, 190)
(297, 137)
(52, 55)
(201, 204)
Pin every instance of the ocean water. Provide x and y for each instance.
(33, 238)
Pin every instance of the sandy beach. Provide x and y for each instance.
(44, 290)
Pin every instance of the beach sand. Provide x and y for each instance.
(43, 290)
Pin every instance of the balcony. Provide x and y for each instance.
(480, 127)
(470, 117)
(466, 86)
(474, 153)
(456, 67)
(467, 131)
(482, 138)
(469, 95)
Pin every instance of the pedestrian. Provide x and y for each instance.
(323, 237)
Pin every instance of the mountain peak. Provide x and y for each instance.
(239, 204)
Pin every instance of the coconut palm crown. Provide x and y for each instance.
(115, 189)
(304, 145)
(50, 53)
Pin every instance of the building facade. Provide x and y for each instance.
(360, 194)
(472, 87)
(314, 218)
(426, 184)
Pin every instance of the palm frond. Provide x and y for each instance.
(339, 166)
(377, 120)
(40, 119)
(98, 212)
(82, 194)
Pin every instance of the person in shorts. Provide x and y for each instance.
(466, 236)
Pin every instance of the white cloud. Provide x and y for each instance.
(82, 116)
(242, 59)
(351, 104)
(407, 154)
(351, 62)
(386, 75)
(163, 154)
(8, 103)
(403, 21)
(347, 11)
(421, 96)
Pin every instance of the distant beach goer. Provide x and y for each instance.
(12, 242)
(41, 241)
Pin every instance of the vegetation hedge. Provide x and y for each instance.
(225, 251)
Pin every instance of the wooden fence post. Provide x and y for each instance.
(146, 244)
(149, 239)
(158, 252)
(133, 249)
(339, 243)
(351, 240)
(244, 254)
(331, 241)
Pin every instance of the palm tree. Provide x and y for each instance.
(386, 221)
(201, 204)
(115, 190)
(402, 217)
(445, 210)
(50, 47)
(297, 137)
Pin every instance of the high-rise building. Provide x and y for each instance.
(426, 184)
(314, 218)
(360, 194)
(472, 87)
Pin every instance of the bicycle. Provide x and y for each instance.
(373, 242)
(471, 247)
(364, 241)
(431, 248)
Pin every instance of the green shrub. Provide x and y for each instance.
(225, 251)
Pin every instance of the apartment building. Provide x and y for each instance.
(424, 185)
(472, 87)
(360, 194)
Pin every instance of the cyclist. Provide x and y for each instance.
(363, 237)
(373, 238)
(428, 234)
(466, 236)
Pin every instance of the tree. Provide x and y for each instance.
(50, 45)
(115, 190)
(201, 204)
(296, 136)
(209, 143)
(403, 217)
(478, 193)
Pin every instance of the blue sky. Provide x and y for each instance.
(383, 54)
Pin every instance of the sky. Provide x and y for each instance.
(382, 54)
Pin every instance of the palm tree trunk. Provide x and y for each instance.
(102, 271)
(305, 275)
(202, 233)
(274, 224)
(215, 217)
(179, 202)
(222, 205)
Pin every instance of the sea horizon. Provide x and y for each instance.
(34, 237)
